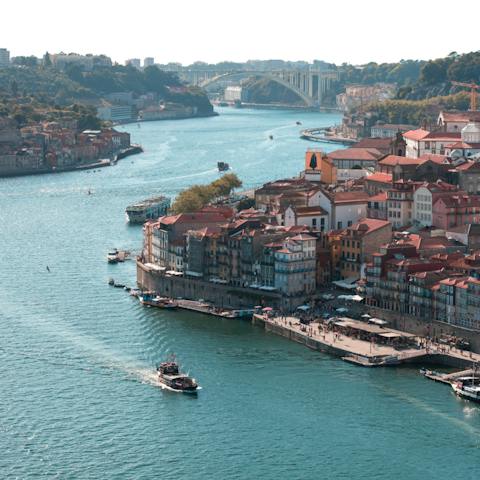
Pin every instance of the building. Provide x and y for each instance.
(468, 145)
(453, 121)
(422, 141)
(355, 158)
(343, 208)
(389, 130)
(456, 210)
(468, 235)
(85, 62)
(233, 94)
(4, 57)
(148, 62)
(378, 182)
(425, 196)
(386, 145)
(316, 218)
(116, 113)
(378, 206)
(359, 242)
(319, 167)
(356, 95)
(295, 266)
(134, 62)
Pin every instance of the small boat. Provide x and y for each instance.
(270, 137)
(170, 375)
(298, 123)
(468, 388)
(111, 281)
(152, 300)
(112, 256)
(223, 166)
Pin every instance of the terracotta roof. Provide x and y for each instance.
(434, 157)
(365, 154)
(445, 136)
(306, 211)
(303, 236)
(373, 142)
(368, 225)
(469, 165)
(418, 134)
(380, 177)
(460, 201)
(350, 197)
(392, 160)
(380, 197)
(458, 116)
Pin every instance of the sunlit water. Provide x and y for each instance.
(79, 398)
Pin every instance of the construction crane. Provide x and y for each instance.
(473, 93)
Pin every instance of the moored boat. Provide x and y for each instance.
(170, 375)
(223, 166)
(148, 209)
(152, 300)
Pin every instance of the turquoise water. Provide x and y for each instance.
(78, 394)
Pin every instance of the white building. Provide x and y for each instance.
(233, 94)
(343, 208)
(148, 62)
(116, 113)
(314, 217)
(4, 57)
(295, 266)
(420, 142)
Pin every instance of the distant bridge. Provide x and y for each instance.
(310, 85)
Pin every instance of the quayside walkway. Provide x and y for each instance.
(366, 345)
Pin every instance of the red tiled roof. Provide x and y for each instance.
(418, 134)
(373, 142)
(306, 211)
(368, 225)
(459, 117)
(392, 160)
(380, 177)
(434, 157)
(445, 136)
(350, 197)
(380, 197)
(365, 154)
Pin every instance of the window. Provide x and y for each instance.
(349, 223)
(339, 225)
(314, 222)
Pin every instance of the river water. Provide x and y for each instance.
(78, 393)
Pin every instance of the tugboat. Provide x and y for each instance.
(151, 300)
(223, 166)
(169, 375)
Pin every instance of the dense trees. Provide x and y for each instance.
(197, 196)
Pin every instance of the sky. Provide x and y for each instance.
(352, 31)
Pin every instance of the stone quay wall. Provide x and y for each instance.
(225, 296)
(424, 327)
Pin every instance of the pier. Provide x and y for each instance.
(398, 347)
(208, 309)
(320, 135)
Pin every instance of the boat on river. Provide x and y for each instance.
(151, 300)
(169, 374)
(467, 388)
(148, 209)
(223, 166)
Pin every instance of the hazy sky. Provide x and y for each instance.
(353, 31)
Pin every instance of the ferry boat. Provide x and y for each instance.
(112, 256)
(151, 208)
(152, 300)
(170, 375)
(468, 388)
(223, 166)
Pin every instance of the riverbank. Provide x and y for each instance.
(105, 162)
(327, 338)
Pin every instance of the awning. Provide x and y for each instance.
(267, 309)
(303, 307)
(352, 298)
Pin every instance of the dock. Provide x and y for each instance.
(207, 309)
(366, 353)
(448, 378)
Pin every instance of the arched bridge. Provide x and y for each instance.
(310, 85)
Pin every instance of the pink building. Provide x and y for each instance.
(455, 210)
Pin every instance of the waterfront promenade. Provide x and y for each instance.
(319, 336)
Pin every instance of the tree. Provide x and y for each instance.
(46, 60)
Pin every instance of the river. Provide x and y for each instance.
(78, 393)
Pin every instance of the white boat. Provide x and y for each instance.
(468, 388)
(148, 209)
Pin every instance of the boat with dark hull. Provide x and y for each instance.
(152, 300)
(169, 374)
(223, 166)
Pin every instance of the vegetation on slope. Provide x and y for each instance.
(197, 196)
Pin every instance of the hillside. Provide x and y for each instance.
(90, 87)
